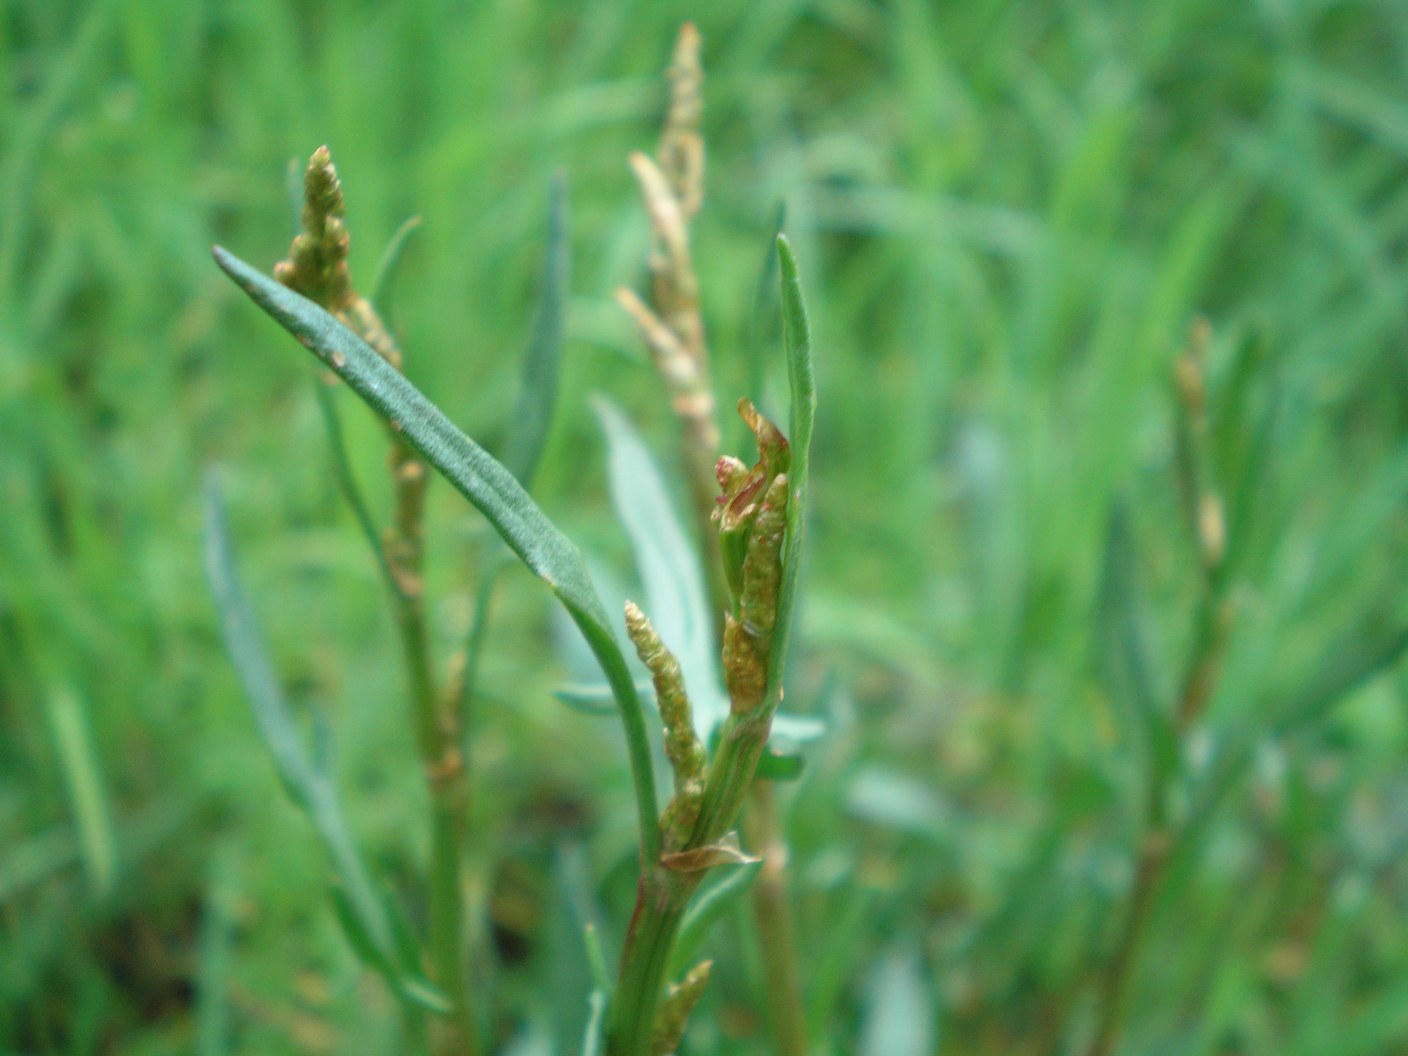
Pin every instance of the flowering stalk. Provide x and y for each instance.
(317, 268)
(672, 326)
(696, 829)
(672, 189)
(1204, 512)
(682, 745)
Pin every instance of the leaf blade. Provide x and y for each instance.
(537, 398)
(797, 340)
(481, 479)
(1126, 666)
(307, 786)
(668, 564)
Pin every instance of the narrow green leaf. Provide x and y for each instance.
(596, 1024)
(493, 566)
(596, 958)
(87, 798)
(707, 909)
(1123, 653)
(1351, 661)
(485, 483)
(421, 991)
(797, 337)
(850, 930)
(763, 326)
(215, 951)
(1346, 665)
(307, 786)
(1250, 469)
(389, 266)
(528, 431)
(1232, 404)
(406, 943)
(361, 941)
(347, 481)
(293, 191)
(668, 565)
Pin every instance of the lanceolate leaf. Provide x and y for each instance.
(1125, 664)
(528, 431)
(763, 330)
(481, 479)
(347, 481)
(797, 337)
(669, 568)
(311, 788)
(73, 739)
(674, 583)
(390, 265)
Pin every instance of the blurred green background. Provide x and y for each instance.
(1007, 215)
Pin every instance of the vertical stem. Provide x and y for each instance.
(447, 947)
(1212, 622)
(436, 718)
(438, 740)
(1114, 985)
(317, 267)
(773, 919)
(672, 187)
(660, 905)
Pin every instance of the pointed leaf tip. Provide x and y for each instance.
(481, 479)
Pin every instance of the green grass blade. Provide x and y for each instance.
(74, 740)
(1126, 667)
(797, 338)
(347, 481)
(596, 958)
(596, 1024)
(215, 954)
(389, 266)
(1351, 662)
(763, 323)
(308, 786)
(532, 418)
(484, 481)
(477, 636)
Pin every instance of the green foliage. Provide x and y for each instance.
(481, 479)
(369, 922)
(1008, 214)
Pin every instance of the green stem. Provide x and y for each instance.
(447, 947)
(438, 740)
(773, 920)
(1114, 989)
(731, 773)
(347, 481)
(661, 901)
